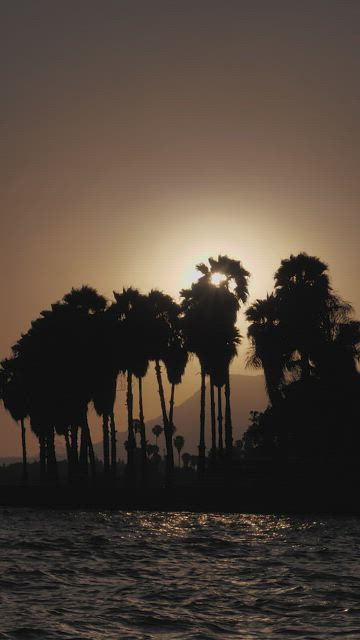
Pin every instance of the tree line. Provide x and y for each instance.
(73, 353)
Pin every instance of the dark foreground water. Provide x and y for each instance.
(106, 575)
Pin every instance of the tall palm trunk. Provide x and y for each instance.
(42, 446)
(213, 424)
(131, 444)
(69, 455)
(83, 458)
(167, 430)
(24, 456)
(74, 444)
(228, 422)
(305, 365)
(201, 458)
(51, 456)
(105, 428)
(220, 423)
(171, 405)
(74, 451)
(90, 449)
(113, 445)
(142, 435)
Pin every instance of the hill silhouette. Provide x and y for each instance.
(248, 393)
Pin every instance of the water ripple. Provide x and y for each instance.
(87, 575)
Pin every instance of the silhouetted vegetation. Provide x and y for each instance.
(304, 338)
(302, 335)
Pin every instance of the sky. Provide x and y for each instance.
(140, 137)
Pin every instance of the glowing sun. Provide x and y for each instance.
(217, 278)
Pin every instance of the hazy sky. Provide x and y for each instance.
(140, 137)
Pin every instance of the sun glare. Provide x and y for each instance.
(217, 278)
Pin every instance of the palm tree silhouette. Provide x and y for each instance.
(129, 306)
(269, 348)
(186, 457)
(305, 298)
(175, 359)
(209, 321)
(179, 442)
(163, 317)
(85, 304)
(13, 395)
(235, 283)
(106, 370)
(157, 431)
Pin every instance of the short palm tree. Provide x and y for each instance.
(157, 431)
(179, 442)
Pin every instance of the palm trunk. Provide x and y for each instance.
(24, 456)
(171, 405)
(228, 423)
(83, 459)
(113, 445)
(220, 424)
(42, 446)
(201, 459)
(74, 444)
(90, 449)
(51, 456)
(213, 424)
(131, 439)
(74, 451)
(69, 455)
(305, 365)
(105, 428)
(167, 430)
(142, 436)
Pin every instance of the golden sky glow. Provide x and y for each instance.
(139, 138)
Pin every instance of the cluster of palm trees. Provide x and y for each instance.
(305, 339)
(303, 329)
(73, 354)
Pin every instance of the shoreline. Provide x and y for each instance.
(189, 498)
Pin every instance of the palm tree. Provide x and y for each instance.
(157, 431)
(175, 359)
(268, 343)
(309, 311)
(35, 355)
(235, 282)
(85, 305)
(304, 296)
(151, 449)
(179, 442)
(196, 307)
(163, 317)
(210, 313)
(186, 457)
(106, 370)
(126, 307)
(132, 308)
(13, 395)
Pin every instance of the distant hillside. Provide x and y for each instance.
(247, 394)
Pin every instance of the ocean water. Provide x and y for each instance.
(112, 575)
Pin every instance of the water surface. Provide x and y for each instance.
(113, 575)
